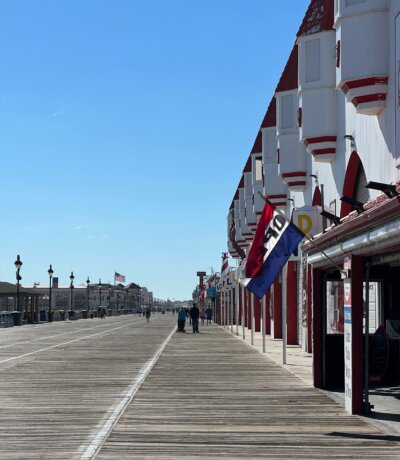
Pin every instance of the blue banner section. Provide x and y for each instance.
(276, 260)
(347, 315)
(211, 292)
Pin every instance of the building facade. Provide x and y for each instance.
(330, 143)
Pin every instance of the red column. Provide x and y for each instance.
(357, 333)
(291, 307)
(257, 314)
(277, 309)
(248, 302)
(317, 327)
(239, 293)
(309, 308)
(267, 299)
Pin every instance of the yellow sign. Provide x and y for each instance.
(308, 219)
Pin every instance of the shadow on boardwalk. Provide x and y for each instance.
(211, 395)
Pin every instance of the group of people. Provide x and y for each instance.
(194, 314)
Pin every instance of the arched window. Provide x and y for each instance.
(354, 184)
(316, 201)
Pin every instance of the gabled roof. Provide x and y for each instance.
(318, 18)
(247, 167)
(132, 286)
(257, 146)
(270, 117)
(288, 80)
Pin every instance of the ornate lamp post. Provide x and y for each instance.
(87, 293)
(71, 286)
(100, 286)
(50, 272)
(18, 265)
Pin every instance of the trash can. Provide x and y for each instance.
(42, 315)
(109, 312)
(62, 315)
(71, 315)
(84, 314)
(16, 315)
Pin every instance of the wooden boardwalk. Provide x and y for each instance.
(66, 393)
(212, 396)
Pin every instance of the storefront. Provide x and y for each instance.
(356, 302)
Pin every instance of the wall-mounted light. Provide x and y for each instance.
(388, 189)
(357, 205)
(331, 217)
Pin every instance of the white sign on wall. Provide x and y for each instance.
(347, 346)
(308, 219)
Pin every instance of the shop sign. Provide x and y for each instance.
(308, 219)
(347, 346)
(219, 286)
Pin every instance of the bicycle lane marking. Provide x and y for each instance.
(66, 343)
(118, 409)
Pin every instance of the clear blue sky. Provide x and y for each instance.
(124, 128)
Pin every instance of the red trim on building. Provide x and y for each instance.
(316, 197)
(317, 326)
(291, 301)
(257, 314)
(296, 183)
(277, 309)
(294, 174)
(323, 151)
(267, 300)
(317, 140)
(363, 82)
(309, 308)
(368, 98)
(272, 197)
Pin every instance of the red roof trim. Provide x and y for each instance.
(270, 117)
(247, 167)
(257, 146)
(289, 78)
(318, 18)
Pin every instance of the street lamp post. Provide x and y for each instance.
(18, 265)
(71, 286)
(109, 297)
(100, 286)
(87, 294)
(50, 272)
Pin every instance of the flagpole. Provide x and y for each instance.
(237, 307)
(231, 308)
(263, 322)
(284, 319)
(243, 313)
(252, 317)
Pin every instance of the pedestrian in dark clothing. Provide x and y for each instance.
(194, 315)
(181, 320)
(209, 315)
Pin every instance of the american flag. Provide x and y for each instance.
(118, 277)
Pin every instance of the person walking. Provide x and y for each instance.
(194, 315)
(209, 315)
(202, 315)
(148, 313)
(181, 320)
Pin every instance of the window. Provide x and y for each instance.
(259, 170)
(287, 111)
(334, 307)
(313, 61)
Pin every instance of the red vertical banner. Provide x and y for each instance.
(291, 300)
(257, 314)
